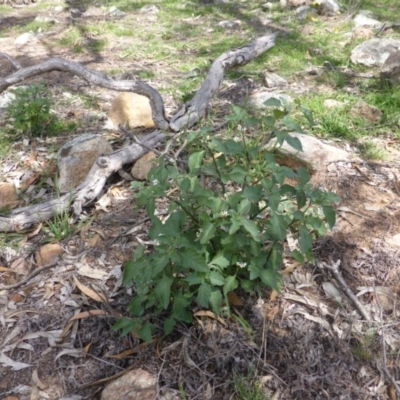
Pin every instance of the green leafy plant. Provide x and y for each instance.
(227, 223)
(30, 110)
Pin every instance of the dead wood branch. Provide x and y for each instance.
(188, 115)
(191, 112)
(26, 217)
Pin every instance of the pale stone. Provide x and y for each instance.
(330, 103)
(314, 156)
(304, 12)
(330, 7)
(76, 158)
(141, 168)
(230, 24)
(390, 73)
(47, 254)
(374, 52)
(25, 38)
(362, 20)
(258, 99)
(272, 80)
(133, 385)
(8, 195)
(130, 109)
(364, 110)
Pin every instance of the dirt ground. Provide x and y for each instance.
(308, 342)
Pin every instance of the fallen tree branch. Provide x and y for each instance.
(27, 217)
(188, 115)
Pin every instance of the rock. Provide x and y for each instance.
(269, 6)
(390, 73)
(258, 99)
(76, 158)
(272, 80)
(141, 168)
(25, 38)
(363, 110)
(374, 52)
(6, 98)
(116, 12)
(362, 20)
(368, 13)
(45, 19)
(363, 32)
(150, 9)
(58, 9)
(230, 24)
(304, 12)
(8, 196)
(133, 385)
(330, 103)
(260, 18)
(298, 3)
(330, 7)
(130, 109)
(21, 266)
(47, 254)
(315, 153)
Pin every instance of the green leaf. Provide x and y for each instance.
(208, 232)
(126, 324)
(163, 290)
(305, 239)
(221, 259)
(179, 306)
(216, 278)
(297, 256)
(301, 199)
(294, 142)
(273, 102)
(318, 224)
(330, 215)
(169, 325)
(238, 174)
(304, 175)
(160, 261)
(252, 228)
(203, 295)
(191, 259)
(277, 227)
(136, 306)
(273, 201)
(253, 193)
(195, 161)
(194, 279)
(215, 301)
(231, 284)
(269, 120)
(132, 269)
(236, 222)
(146, 331)
(271, 278)
(292, 125)
(244, 207)
(308, 114)
(247, 285)
(233, 147)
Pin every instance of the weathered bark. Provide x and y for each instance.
(27, 217)
(187, 116)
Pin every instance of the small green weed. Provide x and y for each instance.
(59, 228)
(30, 110)
(371, 151)
(247, 388)
(227, 223)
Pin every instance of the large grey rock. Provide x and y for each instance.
(304, 12)
(272, 80)
(365, 111)
(133, 385)
(362, 20)
(314, 156)
(330, 7)
(374, 52)
(390, 73)
(76, 158)
(24, 39)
